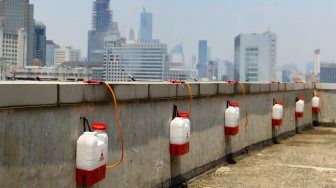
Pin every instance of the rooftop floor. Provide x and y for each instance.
(305, 160)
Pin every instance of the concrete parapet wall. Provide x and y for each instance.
(40, 124)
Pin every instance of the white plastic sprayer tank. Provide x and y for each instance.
(180, 134)
(299, 108)
(315, 103)
(91, 155)
(232, 119)
(277, 114)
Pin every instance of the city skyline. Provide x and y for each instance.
(301, 26)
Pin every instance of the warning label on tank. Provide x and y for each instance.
(101, 155)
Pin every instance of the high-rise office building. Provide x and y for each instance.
(229, 70)
(102, 22)
(146, 27)
(328, 73)
(3, 69)
(193, 61)
(132, 35)
(141, 61)
(208, 54)
(310, 67)
(255, 57)
(177, 54)
(202, 58)
(16, 18)
(66, 53)
(50, 52)
(39, 47)
(14, 47)
(317, 61)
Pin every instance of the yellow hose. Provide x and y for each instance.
(190, 93)
(246, 113)
(120, 130)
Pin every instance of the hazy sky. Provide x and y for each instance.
(301, 25)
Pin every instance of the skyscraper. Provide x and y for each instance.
(202, 58)
(328, 73)
(193, 61)
(50, 52)
(317, 61)
(142, 61)
(177, 54)
(16, 17)
(146, 27)
(102, 22)
(229, 69)
(132, 35)
(39, 47)
(255, 57)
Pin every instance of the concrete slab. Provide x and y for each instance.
(310, 85)
(289, 86)
(274, 87)
(162, 90)
(254, 87)
(288, 164)
(226, 88)
(27, 94)
(264, 87)
(72, 93)
(330, 86)
(207, 89)
(298, 86)
(239, 90)
(141, 91)
(124, 92)
(182, 89)
(96, 93)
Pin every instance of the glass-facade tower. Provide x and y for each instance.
(39, 50)
(202, 58)
(146, 27)
(16, 15)
(101, 24)
(255, 57)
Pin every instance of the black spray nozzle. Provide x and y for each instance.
(175, 112)
(86, 122)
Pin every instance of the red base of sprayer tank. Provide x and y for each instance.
(298, 114)
(276, 122)
(177, 149)
(231, 131)
(88, 178)
(315, 109)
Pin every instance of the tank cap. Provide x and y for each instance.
(99, 126)
(301, 98)
(184, 114)
(234, 104)
(278, 102)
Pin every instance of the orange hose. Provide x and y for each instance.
(246, 113)
(190, 93)
(120, 130)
